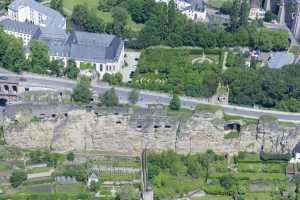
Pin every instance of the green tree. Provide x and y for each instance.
(17, 178)
(175, 103)
(57, 67)
(171, 16)
(127, 193)
(82, 93)
(39, 57)
(87, 19)
(227, 182)
(234, 15)
(57, 5)
(244, 12)
(109, 98)
(94, 187)
(70, 156)
(71, 71)
(270, 16)
(133, 96)
(120, 18)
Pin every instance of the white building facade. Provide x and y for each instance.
(193, 9)
(29, 19)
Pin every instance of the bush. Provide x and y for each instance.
(175, 103)
(275, 157)
(196, 51)
(232, 135)
(17, 178)
(109, 98)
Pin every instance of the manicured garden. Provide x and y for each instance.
(186, 71)
(246, 176)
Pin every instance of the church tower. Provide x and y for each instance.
(267, 5)
(296, 25)
(281, 13)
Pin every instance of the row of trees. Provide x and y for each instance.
(267, 87)
(13, 58)
(82, 94)
(165, 25)
(176, 30)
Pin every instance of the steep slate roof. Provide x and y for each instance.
(20, 27)
(84, 46)
(280, 58)
(197, 5)
(54, 19)
(296, 148)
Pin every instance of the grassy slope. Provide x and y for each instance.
(215, 3)
(93, 4)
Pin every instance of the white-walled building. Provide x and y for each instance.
(193, 9)
(104, 52)
(24, 31)
(29, 19)
(36, 13)
(296, 154)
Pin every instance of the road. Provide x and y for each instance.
(149, 97)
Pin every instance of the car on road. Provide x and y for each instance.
(23, 79)
(3, 78)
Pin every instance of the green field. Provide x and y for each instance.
(213, 197)
(215, 3)
(39, 170)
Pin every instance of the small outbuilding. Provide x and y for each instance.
(93, 175)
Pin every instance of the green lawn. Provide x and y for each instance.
(264, 196)
(215, 3)
(213, 197)
(39, 170)
(4, 167)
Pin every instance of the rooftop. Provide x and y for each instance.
(20, 27)
(84, 46)
(279, 59)
(54, 19)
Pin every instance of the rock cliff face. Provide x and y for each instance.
(129, 131)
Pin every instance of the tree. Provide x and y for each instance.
(127, 192)
(57, 5)
(56, 67)
(82, 93)
(133, 96)
(171, 15)
(109, 98)
(70, 156)
(94, 187)
(87, 19)
(244, 12)
(227, 181)
(39, 57)
(175, 103)
(71, 71)
(17, 178)
(120, 17)
(234, 15)
(270, 16)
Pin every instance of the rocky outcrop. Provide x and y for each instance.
(130, 130)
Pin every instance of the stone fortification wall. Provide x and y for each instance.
(130, 130)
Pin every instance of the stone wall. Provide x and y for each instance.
(130, 130)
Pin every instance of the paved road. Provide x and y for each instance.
(147, 97)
